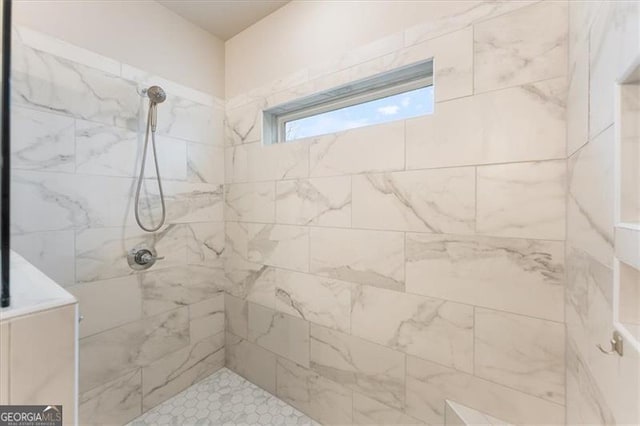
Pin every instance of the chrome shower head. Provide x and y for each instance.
(156, 94)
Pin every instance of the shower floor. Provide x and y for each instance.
(224, 398)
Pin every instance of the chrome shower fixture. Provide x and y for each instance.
(156, 96)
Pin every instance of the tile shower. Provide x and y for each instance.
(363, 277)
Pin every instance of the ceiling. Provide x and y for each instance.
(224, 19)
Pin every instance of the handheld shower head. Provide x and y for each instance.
(156, 94)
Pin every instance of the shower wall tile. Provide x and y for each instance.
(368, 411)
(448, 17)
(101, 253)
(367, 149)
(524, 200)
(108, 304)
(257, 162)
(613, 49)
(236, 313)
(205, 164)
(590, 200)
(320, 300)
(117, 351)
(116, 402)
(52, 252)
(280, 333)
(282, 246)
(536, 128)
(368, 257)
(206, 318)
(244, 124)
(324, 400)
(175, 372)
(371, 369)
(47, 82)
(77, 120)
(429, 201)
(431, 329)
(502, 59)
(41, 141)
(69, 202)
(527, 274)
(250, 202)
(249, 280)
(317, 201)
(429, 385)
(205, 243)
(111, 151)
(251, 361)
(521, 352)
(167, 289)
(578, 95)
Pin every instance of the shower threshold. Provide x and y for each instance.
(224, 398)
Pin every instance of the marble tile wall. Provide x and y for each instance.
(604, 42)
(375, 273)
(76, 152)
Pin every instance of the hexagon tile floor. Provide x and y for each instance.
(224, 398)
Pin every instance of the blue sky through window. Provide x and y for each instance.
(397, 107)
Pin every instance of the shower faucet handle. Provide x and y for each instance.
(142, 257)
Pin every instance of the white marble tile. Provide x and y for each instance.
(51, 252)
(429, 385)
(107, 304)
(115, 402)
(431, 329)
(510, 49)
(236, 314)
(282, 246)
(224, 398)
(282, 334)
(364, 367)
(185, 202)
(120, 350)
(251, 361)
(366, 149)
(368, 411)
(514, 275)
(367, 257)
(590, 200)
(188, 120)
(205, 243)
(521, 352)
(51, 83)
(170, 288)
(451, 16)
(321, 300)
(173, 373)
(250, 202)
(578, 95)
(613, 48)
(205, 163)
(460, 415)
(257, 162)
(429, 200)
(41, 141)
(522, 200)
(206, 318)
(320, 398)
(244, 124)
(44, 201)
(101, 252)
(112, 151)
(316, 201)
(536, 129)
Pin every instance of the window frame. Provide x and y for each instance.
(400, 80)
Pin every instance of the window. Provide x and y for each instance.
(395, 95)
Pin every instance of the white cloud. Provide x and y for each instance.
(405, 101)
(389, 109)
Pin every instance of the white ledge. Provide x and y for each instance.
(32, 291)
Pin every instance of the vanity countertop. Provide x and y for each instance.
(32, 291)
